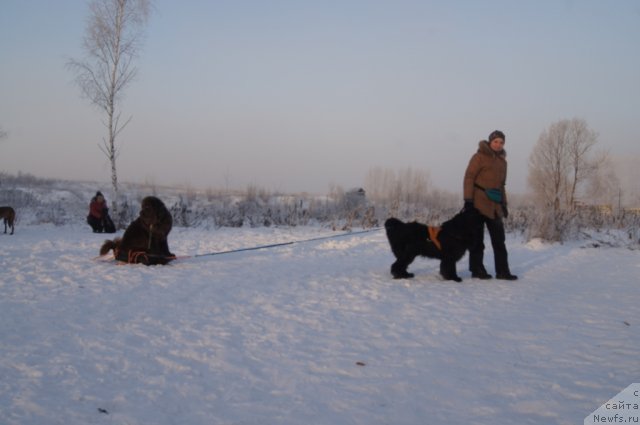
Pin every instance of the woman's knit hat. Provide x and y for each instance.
(497, 134)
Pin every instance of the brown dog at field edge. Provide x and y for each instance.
(9, 216)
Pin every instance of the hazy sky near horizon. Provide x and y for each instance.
(297, 95)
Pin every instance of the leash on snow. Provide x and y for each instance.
(275, 245)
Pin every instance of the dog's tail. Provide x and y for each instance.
(392, 223)
(109, 245)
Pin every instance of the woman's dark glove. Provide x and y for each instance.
(505, 211)
(468, 205)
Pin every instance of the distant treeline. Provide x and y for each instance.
(60, 202)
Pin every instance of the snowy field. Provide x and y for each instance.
(308, 333)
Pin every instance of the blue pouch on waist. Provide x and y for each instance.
(494, 194)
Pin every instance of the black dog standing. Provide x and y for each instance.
(447, 243)
(145, 240)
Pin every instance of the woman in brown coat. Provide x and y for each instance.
(484, 182)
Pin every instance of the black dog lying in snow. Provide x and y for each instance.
(447, 243)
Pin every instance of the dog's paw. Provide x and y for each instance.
(405, 275)
(454, 278)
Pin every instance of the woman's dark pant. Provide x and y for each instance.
(96, 223)
(476, 252)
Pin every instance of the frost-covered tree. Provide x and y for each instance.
(561, 163)
(627, 169)
(111, 43)
(559, 167)
(603, 184)
(407, 185)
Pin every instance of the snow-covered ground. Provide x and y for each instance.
(308, 333)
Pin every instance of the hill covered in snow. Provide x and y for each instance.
(311, 332)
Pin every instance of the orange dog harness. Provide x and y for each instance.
(433, 236)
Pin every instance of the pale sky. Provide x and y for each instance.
(297, 95)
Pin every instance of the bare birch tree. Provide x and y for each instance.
(111, 44)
